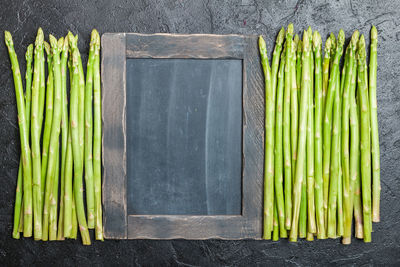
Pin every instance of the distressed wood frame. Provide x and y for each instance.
(116, 48)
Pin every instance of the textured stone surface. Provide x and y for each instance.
(245, 17)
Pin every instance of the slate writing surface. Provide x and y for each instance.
(184, 136)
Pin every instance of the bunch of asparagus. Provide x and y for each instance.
(48, 160)
(321, 132)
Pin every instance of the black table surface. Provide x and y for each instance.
(23, 17)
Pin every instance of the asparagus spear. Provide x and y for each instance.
(294, 107)
(69, 210)
(286, 127)
(364, 140)
(348, 183)
(376, 189)
(23, 133)
(355, 157)
(47, 121)
(55, 130)
(269, 143)
(97, 137)
(325, 72)
(300, 164)
(319, 96)
(340, 223)
(278, 157)
(76, 150)
(89, 136)
(35, 136)
(64, 135)
(42, 91)
(311, 225)
(81, 107)
(327, 119)
(18, 210)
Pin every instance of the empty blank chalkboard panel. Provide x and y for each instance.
(184, 136)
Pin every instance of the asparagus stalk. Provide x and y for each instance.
(269, 143)
(364, 140)
(340, 220)
(348, 183)
(311, 224)
(24, 136)
(64, 135)
(74, 221)
(300, 164)
(55, 130)
(303, 205)
(18, 210)
(275, 233)
(54, 198)
(68, 195)
(319, 97)
(81, 107)
(294, 107)
(89, 136)
(76, 149)
(327, 119)
(355, 157)
(69, 212)
(18, 215)
(325, 72)
(97, 137)
(286, 127)
(47, 122)
(278, 157)
(35, 135)
(376, 180)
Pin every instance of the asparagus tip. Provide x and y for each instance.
(296, 39)
(316, 40)
(361, 47)
(341, 38)
(328, 45)
(47, 48)
(281, 36)
(306, 41)
(300, 45)
(374, 33)
(39, 37)
(94, 38)
(333, 41)
(8, 38)
(290, 29)
(309, 32)
(60, 43)
(65, 45)
(53, 41)
(354, 38)
(262, 45)
(29, 53)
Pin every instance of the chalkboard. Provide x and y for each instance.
(184, 132)
(183, 118)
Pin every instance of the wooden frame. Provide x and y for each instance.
(116, 48)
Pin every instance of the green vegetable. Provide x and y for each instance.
(319, 96)
(76, 150)
(97, 137)
(286, 126)
(278, 157)
(376, 182)
(269, 143)
(364, 140)
(302, 136)
(24, 136)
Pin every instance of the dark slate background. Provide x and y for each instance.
(22, 17)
